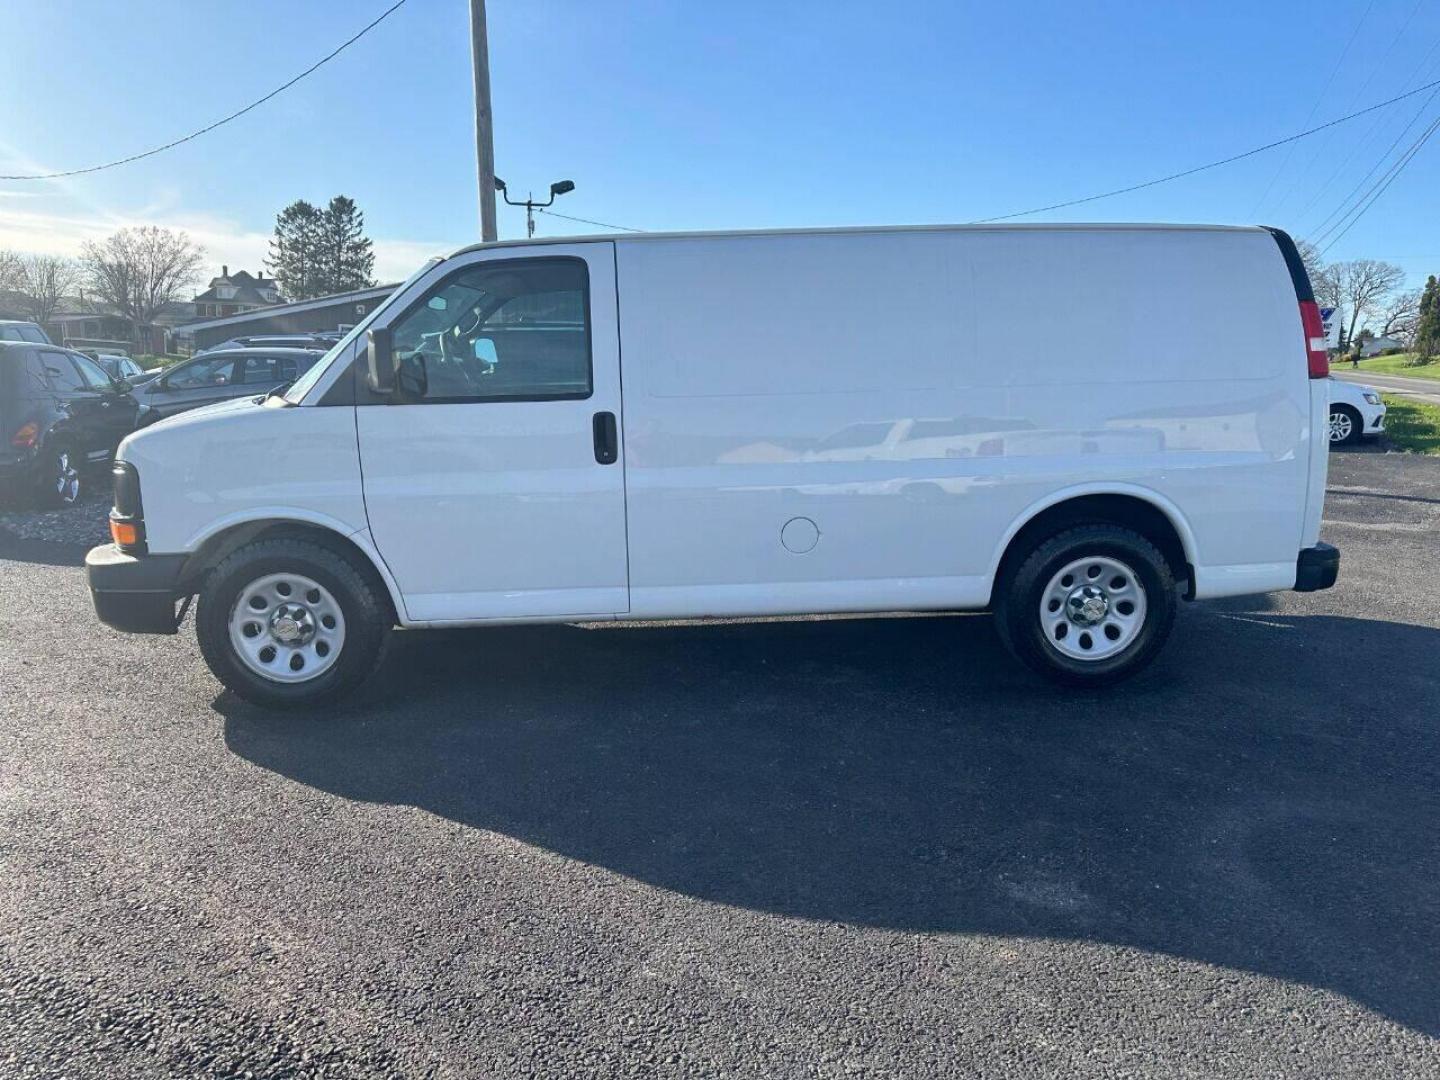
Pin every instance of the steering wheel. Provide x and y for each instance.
(465, 331)
(454, 360)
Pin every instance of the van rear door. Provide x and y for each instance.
(494, 482)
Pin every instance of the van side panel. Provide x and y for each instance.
(854, 422)
(1187, 342)
(198, 478)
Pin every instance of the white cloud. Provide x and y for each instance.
(224, 241)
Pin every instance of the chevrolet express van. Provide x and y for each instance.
(1070, 426)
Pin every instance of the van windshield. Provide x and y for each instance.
(303, 385)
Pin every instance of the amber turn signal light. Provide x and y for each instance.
(124, 533)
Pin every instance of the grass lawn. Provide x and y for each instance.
(1412, 425)
(1393, 365)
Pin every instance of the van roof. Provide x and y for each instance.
(1079, 226)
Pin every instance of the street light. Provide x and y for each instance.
(560, 187)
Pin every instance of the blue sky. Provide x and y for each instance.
(675, 114)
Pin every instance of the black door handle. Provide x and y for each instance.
(607, 446)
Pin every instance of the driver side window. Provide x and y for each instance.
(516, 330)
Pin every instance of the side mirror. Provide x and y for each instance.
(122, 386)
(380, 360)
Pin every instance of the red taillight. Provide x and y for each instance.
(26, 437)
(1314, 327)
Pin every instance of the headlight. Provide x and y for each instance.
(1373, 399)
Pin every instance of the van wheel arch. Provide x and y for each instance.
(214, 550)
(1127, 511)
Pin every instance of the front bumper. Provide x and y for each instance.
(1317, 568)
(135, 593)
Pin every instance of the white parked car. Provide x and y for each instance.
(1355, 412)
(1024, 419)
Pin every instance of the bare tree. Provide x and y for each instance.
(44, 280)
(1399, 315)
(10, 271)
(138, 271)
(1362, 286)
(1314, 265)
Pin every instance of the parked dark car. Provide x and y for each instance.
(15, 330)
(61, 417)
(220, 376)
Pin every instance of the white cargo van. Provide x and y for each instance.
(1071, 426)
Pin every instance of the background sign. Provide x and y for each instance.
(1332, 327)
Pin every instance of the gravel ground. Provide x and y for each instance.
(83, 525)
(831, 848)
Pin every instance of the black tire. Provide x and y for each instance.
(1357, 425)
(367, 620)
(1018, 615)
(54, 461)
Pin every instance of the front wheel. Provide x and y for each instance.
(288, 623)
(1345, 425)
(1089, 606)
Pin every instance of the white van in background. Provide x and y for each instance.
(1034, 420)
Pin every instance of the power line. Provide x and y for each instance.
(1341, 210)
(1213, 164)
(587, 221)
(1394, 170)
(1362, 143)
(1316, 104)
(1380, 65)
(233, 116)
(1394, 173)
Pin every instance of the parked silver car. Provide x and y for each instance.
(220, 376)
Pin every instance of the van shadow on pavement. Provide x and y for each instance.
(1264, 798)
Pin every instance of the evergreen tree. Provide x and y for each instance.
(345, 254)
(1427, 328)
(295, 251)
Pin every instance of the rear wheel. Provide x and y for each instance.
(58, 482)
(288, 623)
(1089, 606)
(1345, 425)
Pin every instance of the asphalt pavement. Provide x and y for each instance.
(1427, 390)
(839, 847)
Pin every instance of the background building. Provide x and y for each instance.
(338, 312)
(233, 294)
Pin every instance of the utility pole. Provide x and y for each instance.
(484, 124)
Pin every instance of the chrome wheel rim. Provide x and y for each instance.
(1093, 608)
(1340, 426)
(287, 628)
(67, 478)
